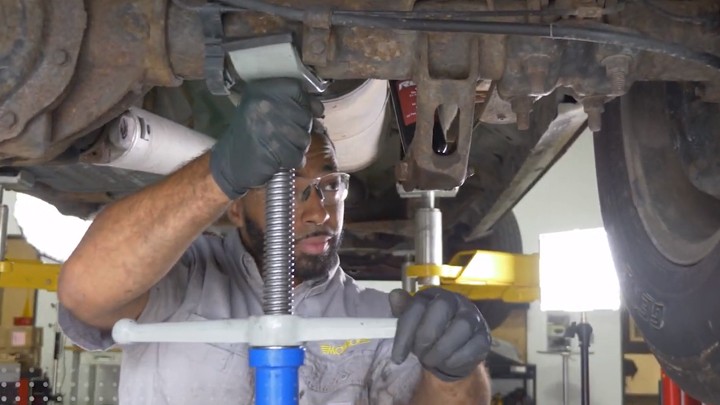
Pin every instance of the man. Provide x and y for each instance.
(143, 258)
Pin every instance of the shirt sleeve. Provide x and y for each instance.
(165, 298)
(390, 383)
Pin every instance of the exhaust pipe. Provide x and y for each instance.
(142, 141)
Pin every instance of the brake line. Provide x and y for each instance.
(375, 19)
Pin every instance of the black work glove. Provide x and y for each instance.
(446, 332)
(270, 130)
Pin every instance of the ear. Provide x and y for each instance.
(236, 213)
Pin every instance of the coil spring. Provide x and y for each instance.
(279, 253)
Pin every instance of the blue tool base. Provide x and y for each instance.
(276, 374)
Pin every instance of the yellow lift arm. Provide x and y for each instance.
(478, 275)
(486, 275)
(17, 273)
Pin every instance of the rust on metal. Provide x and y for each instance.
(157, 63)
(43, 79)
(124, 55)
(184, 29)
(426, 168)
(360, 52)
(20, 42)
(317, 48)
(131, 46)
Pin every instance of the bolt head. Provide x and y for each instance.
(59, 57)
(7, 120)
(594, 110)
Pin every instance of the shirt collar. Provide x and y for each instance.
(246, 265)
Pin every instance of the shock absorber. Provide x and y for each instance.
(276, 368)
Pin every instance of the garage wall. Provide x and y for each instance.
(565, 199)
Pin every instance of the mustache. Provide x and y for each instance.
(313, 234)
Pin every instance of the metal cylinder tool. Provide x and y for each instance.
(276, 368)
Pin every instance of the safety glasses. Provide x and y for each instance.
(331, 188)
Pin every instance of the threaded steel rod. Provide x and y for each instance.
(279, 254)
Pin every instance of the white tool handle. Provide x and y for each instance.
(271, 330)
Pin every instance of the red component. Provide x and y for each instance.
(407, 95)
(22, 321)
(24, 392)
(671, 393)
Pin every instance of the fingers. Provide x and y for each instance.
(406, 326)
(443, 329)
(437, 318)
(470, 355)
(399, 301)
(287, 150)
(454, 338)
(302, 120)
(269, 131)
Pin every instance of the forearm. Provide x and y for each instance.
(134, 242)
(475, 389)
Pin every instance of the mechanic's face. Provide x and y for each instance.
(318, 221)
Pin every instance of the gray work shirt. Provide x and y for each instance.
(218, 279)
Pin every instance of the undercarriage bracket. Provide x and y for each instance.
(423, 167)
(215, 74)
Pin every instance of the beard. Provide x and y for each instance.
(307, 267)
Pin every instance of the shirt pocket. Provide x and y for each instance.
(192, 373)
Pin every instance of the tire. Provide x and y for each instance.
(505, 237)
(663, 231)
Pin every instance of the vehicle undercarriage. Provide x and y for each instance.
(511, 83)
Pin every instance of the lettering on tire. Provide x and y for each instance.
(651, 311)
